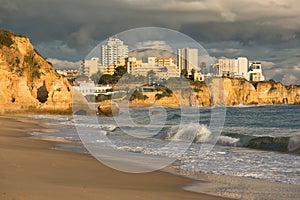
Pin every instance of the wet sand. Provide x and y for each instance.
(31, 170)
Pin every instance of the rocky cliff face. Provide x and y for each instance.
(232, 92)
(272, 93)
(229, 92)
(28, 83)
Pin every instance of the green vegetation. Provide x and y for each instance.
(184, 72)
(120, 71)
(109, 79)
(166, 92)
(138, 95)
(197, 90)
(193, 71)
(35, 74)
(120, 75)
(5, 38)
(199, 83)
(33, 65)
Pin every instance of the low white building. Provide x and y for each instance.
(199, 77)
(85, 86)
(255, 72)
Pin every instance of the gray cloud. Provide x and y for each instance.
(68, 29)
(63, 64)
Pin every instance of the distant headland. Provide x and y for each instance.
(30, 84)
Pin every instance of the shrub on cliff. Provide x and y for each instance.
(197, 90)
(5, 38)
(138, 95)
(166, 93)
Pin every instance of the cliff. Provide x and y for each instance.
(228, 92)
(28, 83)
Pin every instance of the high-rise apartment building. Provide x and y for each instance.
(114, 51)
(187, 59)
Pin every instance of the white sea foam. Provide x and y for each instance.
(223, 158)
(107, 127)
(294, 143)
(197, 133)
(227, 141)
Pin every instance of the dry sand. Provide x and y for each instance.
(30, 170)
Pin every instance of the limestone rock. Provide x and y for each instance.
(271, 93)
(28, 83)
(108, 108)
(228, 92)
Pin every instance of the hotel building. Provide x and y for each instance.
(113, 52)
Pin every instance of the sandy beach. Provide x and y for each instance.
(30, 169)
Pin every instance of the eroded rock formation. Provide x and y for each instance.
(229, 92)
(28, 83)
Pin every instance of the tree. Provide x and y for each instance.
(120, 71)
(184, 72)
(193, 71)
(137, 95)
(107, 79)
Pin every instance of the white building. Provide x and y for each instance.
(240, 68)
(199, 77)
(91, 66)
(113, 52)
(233, 67)
(255, 72)
(87, 87)
(187, 59)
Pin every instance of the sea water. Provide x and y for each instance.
(260, 142)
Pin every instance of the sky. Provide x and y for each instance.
(65, 31)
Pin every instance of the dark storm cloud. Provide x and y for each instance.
(245, 32)
(79, 22)
(69, 29)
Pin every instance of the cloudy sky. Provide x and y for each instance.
(68, 30)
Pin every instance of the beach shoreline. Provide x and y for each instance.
(31, 169)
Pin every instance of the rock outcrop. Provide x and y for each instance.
(28, 83)
(108, 108)
(228, 92)
(272, 93)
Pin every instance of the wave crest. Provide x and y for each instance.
(294, 144)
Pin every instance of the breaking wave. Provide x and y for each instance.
(269, 143)
(200, 133)
(197, 133)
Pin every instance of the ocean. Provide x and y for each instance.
(260, 143)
